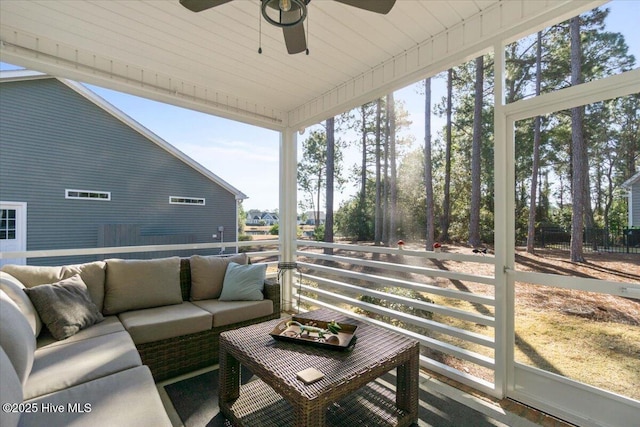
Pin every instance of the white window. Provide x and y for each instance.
(87, 194)
(177, 200)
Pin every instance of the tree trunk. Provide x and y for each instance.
(531, 229)
(476, 153)
(578, 151)
(385, 181)
(317, 213)
(363, 176)
(428, 167)
(393, 190)
(446, 203)
(328, 224)
(377, 227)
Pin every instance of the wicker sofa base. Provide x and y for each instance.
(176, 356)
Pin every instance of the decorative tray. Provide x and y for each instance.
(293, 330)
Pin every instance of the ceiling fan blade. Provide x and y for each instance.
(377, 6)
(200, 5)
(294, 36)
(295, 39)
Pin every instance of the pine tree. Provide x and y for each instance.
(474, 214)
(428, 168)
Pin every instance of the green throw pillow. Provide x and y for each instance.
(243, 282)
(65, 307)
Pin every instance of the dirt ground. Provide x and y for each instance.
(614, 267)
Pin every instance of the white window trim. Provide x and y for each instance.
(173, 201)
(103, 199)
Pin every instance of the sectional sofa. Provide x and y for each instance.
(83, 344)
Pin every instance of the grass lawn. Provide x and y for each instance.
(602, 354)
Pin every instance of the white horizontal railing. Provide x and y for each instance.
(426, 306)
(432, 272)
(621, 289)
(338, 287)
(54, 253)
(133, 249)
(421, 287)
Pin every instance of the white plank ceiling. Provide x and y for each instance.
(209, 60)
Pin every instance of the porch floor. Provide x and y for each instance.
(507, 411)
(500, 413)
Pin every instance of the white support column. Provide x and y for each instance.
(288, 209)
(504, 313)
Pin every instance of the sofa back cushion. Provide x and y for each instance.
(16, 337)
(137, 284)
(11, 390)
(92, 274)
(15, 290)
(207, 274)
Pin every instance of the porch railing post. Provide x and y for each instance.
(288, 211)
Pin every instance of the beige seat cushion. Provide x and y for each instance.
(109, 325)
(127, 398)
(229, 312)
(92, 274)
(207, 274)
(139, 283)
(15, 290)
(16, 337)
(62, 366)
(154, 324)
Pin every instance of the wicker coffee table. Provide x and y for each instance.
(347, 395)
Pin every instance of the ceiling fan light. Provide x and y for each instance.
(295, 16)
(285, 5)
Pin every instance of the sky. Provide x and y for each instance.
(247, 156)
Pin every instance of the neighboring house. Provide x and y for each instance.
(103, 179)
(632, 185)
(311, 217)
(256, 217)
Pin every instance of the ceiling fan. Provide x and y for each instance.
(290, 14)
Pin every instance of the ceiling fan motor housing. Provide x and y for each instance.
(290, 12)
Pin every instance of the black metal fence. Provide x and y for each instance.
(622, 240)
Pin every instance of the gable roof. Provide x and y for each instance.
(23, 75)
(628, 183)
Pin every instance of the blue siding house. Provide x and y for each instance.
(102, 180)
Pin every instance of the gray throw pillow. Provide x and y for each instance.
(65, 307)
(243, 282)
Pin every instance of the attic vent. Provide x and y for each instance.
(175, 200)
(87, 194)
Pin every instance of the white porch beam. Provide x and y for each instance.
(624, 84)
(56, 59)
(500, 23)
(288, 210)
